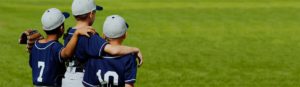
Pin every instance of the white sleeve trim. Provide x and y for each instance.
(59, 54)
(100, 50)
(130, 80)
(89, 84)
(111, 57)
(71, 33)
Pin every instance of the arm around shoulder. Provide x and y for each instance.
(129, 85)
(120, 50)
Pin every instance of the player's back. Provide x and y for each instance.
(86, 48)
(110, 71)
(47, 67)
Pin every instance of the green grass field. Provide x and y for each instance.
(185, 43)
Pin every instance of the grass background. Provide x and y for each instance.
(185, 43)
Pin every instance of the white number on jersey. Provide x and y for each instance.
(106, 77)
(41, 65)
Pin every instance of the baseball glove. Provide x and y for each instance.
(28, 37)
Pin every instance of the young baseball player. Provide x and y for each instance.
(84, 12)
(47, 55)
(112, 71)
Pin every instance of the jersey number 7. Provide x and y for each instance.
(41, 65)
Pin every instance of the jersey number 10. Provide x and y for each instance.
(106, 77)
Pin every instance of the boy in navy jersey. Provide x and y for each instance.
(47, 55)
(94, 47)
(112, 71)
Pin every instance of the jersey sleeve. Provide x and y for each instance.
(131, 70)
(57, 48)
(30, 60)
(95, 46)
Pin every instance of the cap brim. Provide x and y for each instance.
(127, 25)
(66, 14)
(99, 8)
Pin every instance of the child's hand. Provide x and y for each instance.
(85, 31)
(140, 58)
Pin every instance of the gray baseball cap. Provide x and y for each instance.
(80, 7)
(114, 26)
(53, 18)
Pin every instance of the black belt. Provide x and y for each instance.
(79, 69)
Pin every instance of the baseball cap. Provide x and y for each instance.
(80, 7)
(114, 26)
(53, 18)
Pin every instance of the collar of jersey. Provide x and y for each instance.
(43, 46)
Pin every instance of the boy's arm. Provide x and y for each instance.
(123, 50)
(129, 85)
(68, 51)
(120, 50)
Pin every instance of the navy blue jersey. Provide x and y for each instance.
(87, 47)
(110, 71)
(47, 66)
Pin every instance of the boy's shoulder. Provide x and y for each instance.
(51, 46)
(71, 31)
(47, 44)
(93, 38)
(125, 58)
(130, 55)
